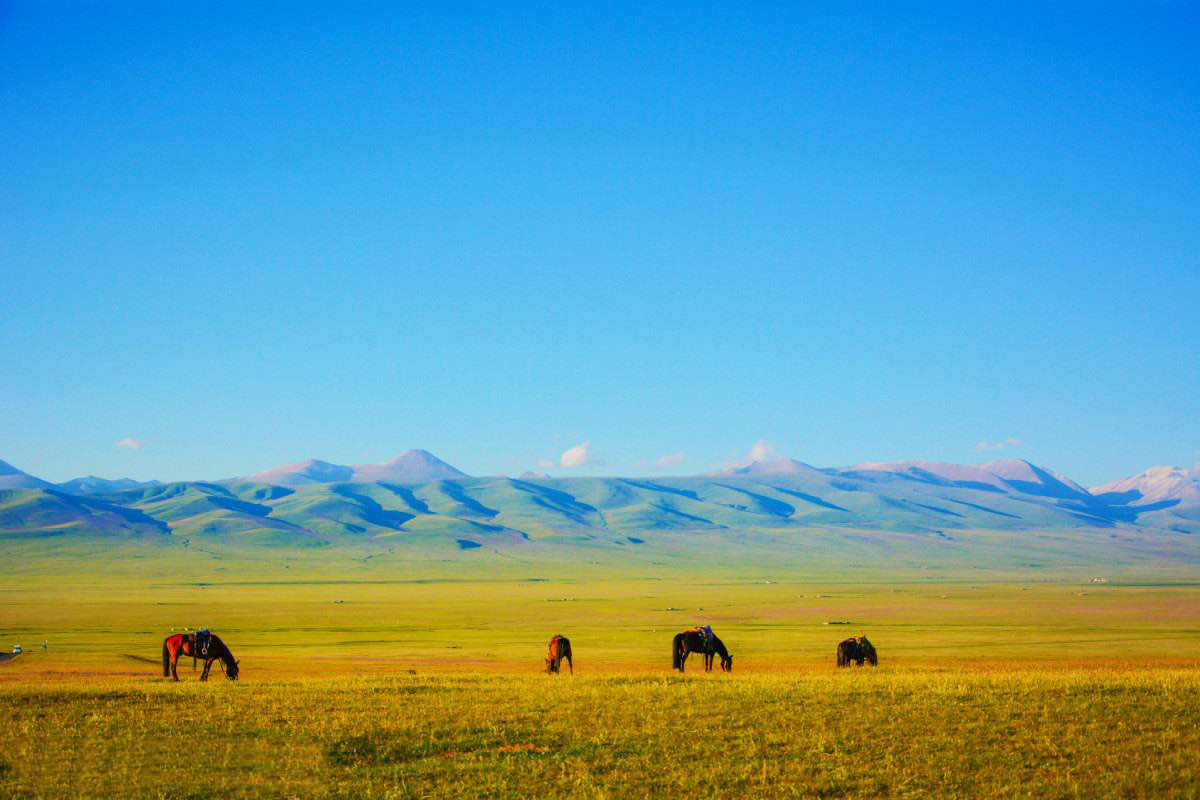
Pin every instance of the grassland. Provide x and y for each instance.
(362, 680)
(905, 732)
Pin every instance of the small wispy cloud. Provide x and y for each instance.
(985, 445)
(576, 456)
(761, 451)
(545, 463)
(128, 443)
(669, 460)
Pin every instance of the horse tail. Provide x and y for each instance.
(166, 660)
(675, 650)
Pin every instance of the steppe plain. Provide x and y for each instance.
(421, 677)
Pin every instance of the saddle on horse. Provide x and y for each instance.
(202, 642)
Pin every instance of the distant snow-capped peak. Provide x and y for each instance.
(1158, 484)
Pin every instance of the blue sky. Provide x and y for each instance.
(244, 238)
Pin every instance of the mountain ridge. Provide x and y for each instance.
(410, 467)
(13, 478)
(420, 466)
(91, 484)
(295, 506)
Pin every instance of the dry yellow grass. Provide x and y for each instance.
(901, 732)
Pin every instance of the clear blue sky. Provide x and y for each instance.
(243, 238)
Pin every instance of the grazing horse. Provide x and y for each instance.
(201, 644)
(856, 650)
(694, 641)
(560, 648)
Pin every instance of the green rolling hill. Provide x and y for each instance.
(44, 513)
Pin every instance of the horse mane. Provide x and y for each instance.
(719, 647)
(225, 655)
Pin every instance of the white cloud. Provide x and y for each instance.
(985, 445)
(129, 443)
(670, 460)
(576, 456)
(761, 451)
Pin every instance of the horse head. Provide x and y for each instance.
(727, 663)
(231, 669)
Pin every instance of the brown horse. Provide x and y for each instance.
(696, 640)
(201, 644)
(560, 648)
(856, 650)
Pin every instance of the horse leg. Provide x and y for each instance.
(570, 664)
(174, 665)
(207, 667)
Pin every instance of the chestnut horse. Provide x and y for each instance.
(695, 641)
(201, 644)
(560, 648)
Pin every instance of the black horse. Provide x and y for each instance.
(856, 650)
(694, 641)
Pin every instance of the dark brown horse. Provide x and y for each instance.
(560, 648)
(201, 644)
(695, 640)
(856, 650)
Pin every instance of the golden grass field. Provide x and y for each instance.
(1047, 687)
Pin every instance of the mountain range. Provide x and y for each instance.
(416, 494)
